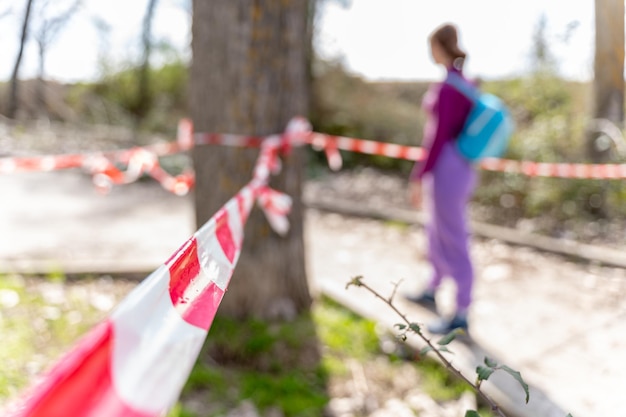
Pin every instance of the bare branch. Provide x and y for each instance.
(50, 27)
(358, 282)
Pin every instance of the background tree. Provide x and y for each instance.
(608, 90)
(13, 95)
(143, 101)
(608, 83)
(543, 60)
(47, 27)
(103, 31)
(249, 75)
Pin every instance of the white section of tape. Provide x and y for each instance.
(214, 263)
(211, 257)
(247, 195)
(7, 165)
(369, 147)
(392, 150)
(414, 154)
(48, 163)
(154, 349)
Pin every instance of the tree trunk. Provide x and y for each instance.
(609, 72)
(45, 33)
(608, 93)
(40, 94)
(249, 76)
(13, 105)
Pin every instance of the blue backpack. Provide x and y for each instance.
(489, 125)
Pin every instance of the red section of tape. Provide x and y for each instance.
(225, 235)
(80, 385)
(196, 308)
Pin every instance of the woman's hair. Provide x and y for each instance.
(446, 36)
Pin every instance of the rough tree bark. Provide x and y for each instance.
(250, 76)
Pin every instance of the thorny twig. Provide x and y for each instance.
(358, 282)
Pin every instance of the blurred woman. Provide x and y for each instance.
(445, 181)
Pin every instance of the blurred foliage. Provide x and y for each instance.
(551, 116)
(346, 105)
(113, 99)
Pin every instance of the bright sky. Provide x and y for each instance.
(75, 53)
(376, 39)
(388, 39)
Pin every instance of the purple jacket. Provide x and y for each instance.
(447, 110)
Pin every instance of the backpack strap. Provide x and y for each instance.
(463, 86)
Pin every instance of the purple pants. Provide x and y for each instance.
(447, 190)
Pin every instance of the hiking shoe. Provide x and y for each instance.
(426, 300)
(445, 326)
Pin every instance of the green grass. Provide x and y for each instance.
(438, 382)
(273, 365)
(297, 387)
(343, 332)
(40, 318)
(288, 366)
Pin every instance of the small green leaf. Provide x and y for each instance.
(515, 374)
(445, 349)
(415, 327)
(356, 281)
(425, 350)
(569, 415)
(400, 326)
(471, 413)
(449, 337)
(490, 362)
(484, 372)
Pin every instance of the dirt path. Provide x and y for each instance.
(560, 323)
(557, 322)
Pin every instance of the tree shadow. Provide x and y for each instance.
(259, 365)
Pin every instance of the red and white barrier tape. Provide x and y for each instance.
(136, 362)
(332, 144)
(140, 161)
(103, 165)
(558, 170)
